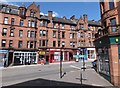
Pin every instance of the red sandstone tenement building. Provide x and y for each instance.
(107, 41)
(26, 37)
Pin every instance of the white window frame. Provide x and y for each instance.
(5, 20)
(28, 34)
(71, 35)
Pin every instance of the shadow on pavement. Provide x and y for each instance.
(49, 83)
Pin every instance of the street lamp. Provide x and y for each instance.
(61, 64)
(61, 68)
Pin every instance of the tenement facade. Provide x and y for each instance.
(107, 41)
(26, 37)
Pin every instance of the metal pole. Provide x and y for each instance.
(81, 77)
(61, 65)
(83, 62)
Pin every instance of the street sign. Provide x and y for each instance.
(79, 56)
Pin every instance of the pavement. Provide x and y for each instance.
(90, 78)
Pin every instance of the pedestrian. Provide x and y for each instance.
(4, 63)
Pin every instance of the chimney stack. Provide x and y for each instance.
(73, 17)
(50, 13)
(85, 17)
(64, 18)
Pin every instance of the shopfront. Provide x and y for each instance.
(41, 57)
(3, 58)
(25, 58)
(103, 62)
(91, 54)
(82, 52)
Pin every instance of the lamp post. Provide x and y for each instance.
(61, 64)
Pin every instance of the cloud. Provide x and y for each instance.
(7, 2)
(55, 14)
(41, 13)
(4, 1)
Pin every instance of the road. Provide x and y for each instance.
(21, 74)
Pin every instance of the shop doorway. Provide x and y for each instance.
(70, 56)
(51, 58)
(10, 58)
(47, 59)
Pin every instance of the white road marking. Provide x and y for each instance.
(75, 67)
(96, 85)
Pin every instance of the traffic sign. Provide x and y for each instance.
(79, 56)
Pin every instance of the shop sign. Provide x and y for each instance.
(42, 52)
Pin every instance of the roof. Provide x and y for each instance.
(43, 17)
(15, 9)
(12, 8)
(93, 23)
(65, 21)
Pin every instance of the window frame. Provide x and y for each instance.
(4, 33)
(5, 20)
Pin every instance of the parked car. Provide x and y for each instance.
(94, 63)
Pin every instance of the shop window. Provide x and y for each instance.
(3, 43)
(4, 32)
(119, 51)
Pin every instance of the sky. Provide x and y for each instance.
(60, 9)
